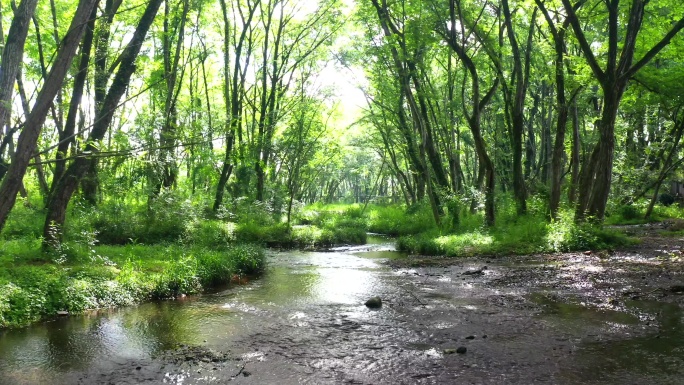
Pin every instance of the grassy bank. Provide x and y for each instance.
(417, 232)
(35, 285)
(466, 235)
(122, 253)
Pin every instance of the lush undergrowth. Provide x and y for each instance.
(464, 234)
(526, 234)
(35, 285)
(121, 253)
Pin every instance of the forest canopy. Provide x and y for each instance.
(468, 106)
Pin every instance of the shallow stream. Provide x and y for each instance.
(304, 321)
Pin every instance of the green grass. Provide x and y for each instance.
(526, 234)
(33, 286)
(122, 253)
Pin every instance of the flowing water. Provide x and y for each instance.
(304, 321)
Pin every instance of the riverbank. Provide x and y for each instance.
(35, 286)
(133, 257)
(116, 256)
(562, 318)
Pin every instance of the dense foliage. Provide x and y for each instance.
(188, 128)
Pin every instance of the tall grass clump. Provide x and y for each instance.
(398, 221)
(566, 235)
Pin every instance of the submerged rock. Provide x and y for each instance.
(461, 350)
(480, 271)
(374, 303)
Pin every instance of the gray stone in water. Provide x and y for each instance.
(62, 312)
(374, 303)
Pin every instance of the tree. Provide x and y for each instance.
(27, 142)
(457, 40)
(66, 186)
(620, 67)
(12, 57)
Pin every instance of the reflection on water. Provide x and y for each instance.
(618, 360)
(292, 280)
(660, 355)
(324, 293)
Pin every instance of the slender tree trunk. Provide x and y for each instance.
(54, 221)
(28, 139)
(575, 155)
(486, 175)
(678, 129)
(12, 59)
(521, 76)
(66, 137)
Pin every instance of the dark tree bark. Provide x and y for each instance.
(620, 68)
(558, 35)
(67, 135)
(66, 186)
(28, 139)
(12, 58)
(574, 155)
(486, 176)
(530, 144)
(678, 129)
(521, 75)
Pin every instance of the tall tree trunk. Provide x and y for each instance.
(518, 105)
(54, 221)
(575, 155)
(233, 91)
(619, 69)
(486, 176)
(666, 167)
(563, 110)
(28, 139)
(12, 58)
(173, 76)
(66, 137)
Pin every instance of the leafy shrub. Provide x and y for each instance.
(247, 259)
(242, 210)
(179, 278)
(116, 224)
(210, 233)
(566, 235)
(629, 212)
(306, 236)
(271, 235)
(23, 221)
(394, 220)
(666, 199)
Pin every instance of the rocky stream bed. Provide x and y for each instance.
(576, 318)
